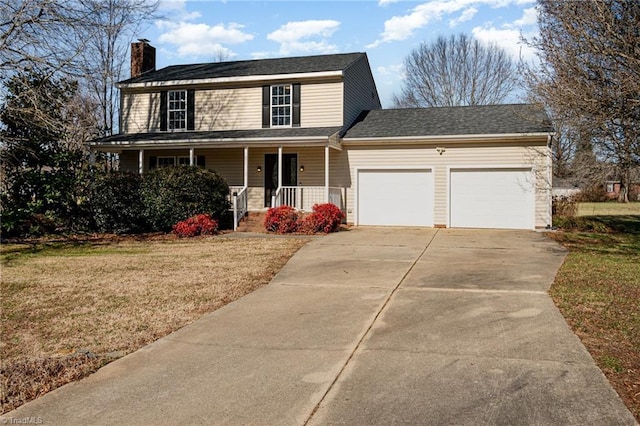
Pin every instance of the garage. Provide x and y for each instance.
(395, 197)
(492, 198)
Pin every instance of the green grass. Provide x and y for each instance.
(609, 208)
(598, 292)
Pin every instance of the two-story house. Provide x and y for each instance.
(306, 130)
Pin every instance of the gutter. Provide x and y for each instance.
(446, 138)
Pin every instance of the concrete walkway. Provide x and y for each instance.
(369, 326)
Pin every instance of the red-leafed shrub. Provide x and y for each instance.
(200, 224)
(281, 220)
(325, 218)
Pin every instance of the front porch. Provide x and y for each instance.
(258, 177)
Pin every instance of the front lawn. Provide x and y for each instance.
(69, 308)
(609, 208)
(598, 292)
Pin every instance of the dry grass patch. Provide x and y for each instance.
(609, 208)
(597, 290)
(68, 309)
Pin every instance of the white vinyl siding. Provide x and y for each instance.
(228, 109)
(140, 112)
(321, 105)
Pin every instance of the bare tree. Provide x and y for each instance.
(84, 40)
(114, 24)
(457, 71)
(589, 75)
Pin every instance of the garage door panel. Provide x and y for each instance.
(492, 198)
(395, 197)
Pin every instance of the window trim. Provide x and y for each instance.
(184, 120)
(165, 157)
(273, 106)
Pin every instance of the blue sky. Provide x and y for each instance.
(387, 30)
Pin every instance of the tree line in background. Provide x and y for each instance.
(59, 61)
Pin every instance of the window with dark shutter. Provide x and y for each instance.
(191, 110)
(153, 161)
(201, 161)
(163, 111)
(295, 107)
(266, 106)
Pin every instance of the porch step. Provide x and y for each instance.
(252, 222)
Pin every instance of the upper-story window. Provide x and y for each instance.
(281, 105)
(177, 109)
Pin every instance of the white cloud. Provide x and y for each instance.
(177, 10)
(203, 39)
(529, 17)
(465, 16)
(294, 36)
(402, 27)
(508, 39)
(386, 2)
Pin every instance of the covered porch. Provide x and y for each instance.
(298, 173)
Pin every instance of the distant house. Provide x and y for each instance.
(612, 190)
(307, 130)
(564, 188)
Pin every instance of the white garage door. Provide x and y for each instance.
(492, 198)
(395, 197)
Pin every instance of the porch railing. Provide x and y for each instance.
(304, 197)
(240, 206)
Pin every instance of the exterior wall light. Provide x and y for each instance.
(259, 169)
(301, 169)
(440, 150)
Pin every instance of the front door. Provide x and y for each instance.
(289, 174)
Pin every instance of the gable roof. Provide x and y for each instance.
(257, 67)
(450, 121)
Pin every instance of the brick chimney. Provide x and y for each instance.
(143, 57)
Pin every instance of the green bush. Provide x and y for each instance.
(115, 202)
(173, 194)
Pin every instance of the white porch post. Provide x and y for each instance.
(191, 156)
(246, 167)
(92, 157)
(326, 172)
(279, 166)
(141, 161)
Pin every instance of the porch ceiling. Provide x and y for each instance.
(294, 136)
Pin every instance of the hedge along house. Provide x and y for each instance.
(306, 130)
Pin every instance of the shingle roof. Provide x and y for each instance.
(302, 64)
(278, 134)
(466, 120)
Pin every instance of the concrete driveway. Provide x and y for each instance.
(370, 326)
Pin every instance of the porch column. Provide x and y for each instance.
(141, 161)
(279, 166)
(92, 157)
(191, 156)
(326, 172)
(246, 166)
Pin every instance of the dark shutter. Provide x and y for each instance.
(163, 110)
(191, 109)
(266, 106)
(153, 162)
(200, 161)
(295, 113)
